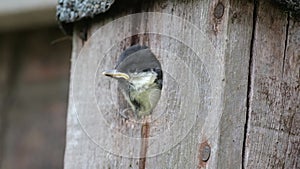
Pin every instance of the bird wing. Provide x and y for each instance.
(154, 96)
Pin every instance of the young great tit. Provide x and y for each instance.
(140, 78)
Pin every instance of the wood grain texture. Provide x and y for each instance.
(273, 125)
(237, 58)
(218, 92)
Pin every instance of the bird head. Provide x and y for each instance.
(138, 66)
(140, 78)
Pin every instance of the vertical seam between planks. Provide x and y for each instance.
(282, 74)
(285, 43)
(250, 83)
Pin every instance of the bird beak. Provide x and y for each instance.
(115, 74)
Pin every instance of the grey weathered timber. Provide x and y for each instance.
(228, 76)
(273, 137)
(230, 96)
(237, 58)
(75, 10)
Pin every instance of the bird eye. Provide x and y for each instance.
(147, 70)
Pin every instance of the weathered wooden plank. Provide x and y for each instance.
(237, 56)
(177, 44)
(291, 87)
(272, 137)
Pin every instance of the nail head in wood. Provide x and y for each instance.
(205, 153)
(219, 10)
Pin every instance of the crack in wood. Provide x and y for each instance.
(250, 84)
(285, 43)
(282, 74)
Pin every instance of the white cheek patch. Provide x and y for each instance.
(142, 80)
